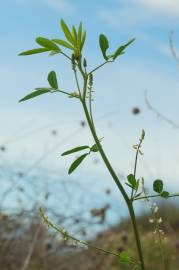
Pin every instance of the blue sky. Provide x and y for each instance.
(119, 87)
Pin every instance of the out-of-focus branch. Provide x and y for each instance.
(31, 248)
(158, 114)
(173, 51)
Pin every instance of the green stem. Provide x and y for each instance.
(136, 234)
(77, 82)
(155, 196)
(135, 167)
(103, 155)
(98, 67)
(118, 183)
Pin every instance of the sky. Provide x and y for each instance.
(147, 65)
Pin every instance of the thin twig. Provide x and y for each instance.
(158, 114)
(31, 249)
(106, 62)
(155, 196)
(173, 51)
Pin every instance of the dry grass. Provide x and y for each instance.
(50, 254)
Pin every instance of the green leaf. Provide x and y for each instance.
(165, 194)
(94, 148)
(52, 53)
(34, 51)
(74, 34)
(132, 181)
(63, 43)
(52, 79)
(76, 149)
(125, 257)
(83, 40)
(121, 49)
(67, 33)
(118, 52)
(76, 163)
(79, 35)
(128, 185)
(46, 43)
(104, 45)
(38, 92)
(158, 186)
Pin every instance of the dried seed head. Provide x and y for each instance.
(84, 63)
(90, 80)
(135, 110)
(143, 134)
(73, 62)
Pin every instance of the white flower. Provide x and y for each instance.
(151, 220)
(159, 220)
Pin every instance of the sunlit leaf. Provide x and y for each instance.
(83, 40)
(79, 36)
(63, 43)
(66, 31)
(34, 51)
(74, 34)
(125, 257)
(46, 43)
(121, 49)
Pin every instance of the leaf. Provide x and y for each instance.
(121, 49)
(74, 34)
(34, 51)
(46, 43)
(63, 43)
(104, 45)
(132, 181)
(158, 186)
(94, 148)
(79, 34)
(66, 31)
(38, 92)
(165, 194)
(83, 40)
(128, 185)
(118, 52)
(76, 163)
(52, 53)
(76, 149)
(52, 79)
(125, 257)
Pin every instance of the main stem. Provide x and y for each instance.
(118, 183)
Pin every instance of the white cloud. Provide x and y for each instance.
(168, 7)
(132, 14)
(62, 5)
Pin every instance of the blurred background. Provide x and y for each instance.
(139, 91)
